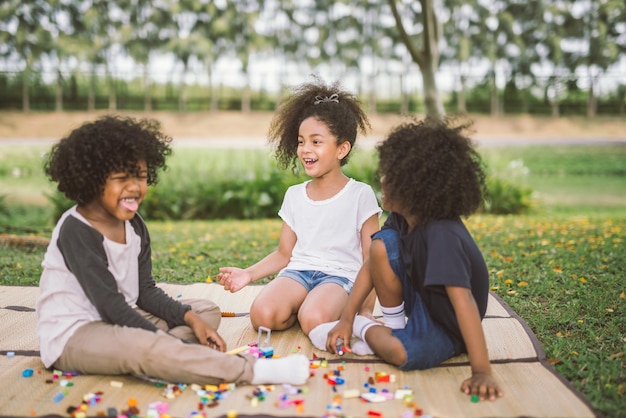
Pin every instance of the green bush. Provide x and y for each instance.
(60, 204)
(507, 192)
(507, 198)
(248, 184)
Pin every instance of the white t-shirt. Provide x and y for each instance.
(329, 231)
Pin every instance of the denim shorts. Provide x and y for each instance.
(312, 278)
(425, 342)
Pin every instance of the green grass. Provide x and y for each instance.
(564, 275)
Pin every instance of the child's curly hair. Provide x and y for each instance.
(81, 162)
(343, 117)
(432, 170)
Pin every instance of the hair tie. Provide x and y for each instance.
(326, 99)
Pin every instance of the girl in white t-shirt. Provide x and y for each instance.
(327, 220)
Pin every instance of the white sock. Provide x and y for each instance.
(393, 316)
(360, 348)
(293, 370)
(360, 327)
(319, 334)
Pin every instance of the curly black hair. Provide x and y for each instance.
(432, 170)
(81, 162)
(344, 118)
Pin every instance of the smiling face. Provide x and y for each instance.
(123, 192)
(318, 149)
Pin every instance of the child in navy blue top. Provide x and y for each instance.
(430, 276)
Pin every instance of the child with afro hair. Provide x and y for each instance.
(327, 221)
(99, 309)
(429, 275)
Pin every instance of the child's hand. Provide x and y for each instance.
(482, 385)
(339, 335)
(214, 340)
(233, 279)
(204, 332)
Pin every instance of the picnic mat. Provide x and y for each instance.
(532, 388)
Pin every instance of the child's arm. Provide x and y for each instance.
(234, 279)
(86, 258)
(482, 382)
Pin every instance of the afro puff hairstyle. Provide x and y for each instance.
(431, 170)
(344, 118)
(81, 162)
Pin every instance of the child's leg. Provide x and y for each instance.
(384, 344)
(204, 308)
(276, 307)
(385, 267)
(100, 348)
(323, 304)
(384, 261)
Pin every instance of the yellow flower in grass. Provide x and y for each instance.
(209, 279)
(557, 269)
(508, 281)
(583, 280)
(522, 284)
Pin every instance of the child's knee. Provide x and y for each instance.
(266, 316)
(311, 318)
(207, 310)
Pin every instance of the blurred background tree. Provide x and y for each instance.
(548, 57)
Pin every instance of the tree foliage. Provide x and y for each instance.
(531, 47)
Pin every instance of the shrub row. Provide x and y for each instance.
(236, 184)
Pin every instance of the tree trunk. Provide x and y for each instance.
(112, 93)
(245, 96)
(427, 58)
(182, 97)
(182, 92)
(371, 101)
(556, 113)
(432, 100)
(91, 94)
(592, 103)
(147, 89)
(58, 96)
(404, 95)
(214, 105)
(25, 89)
(461, 105)
(495, 102)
